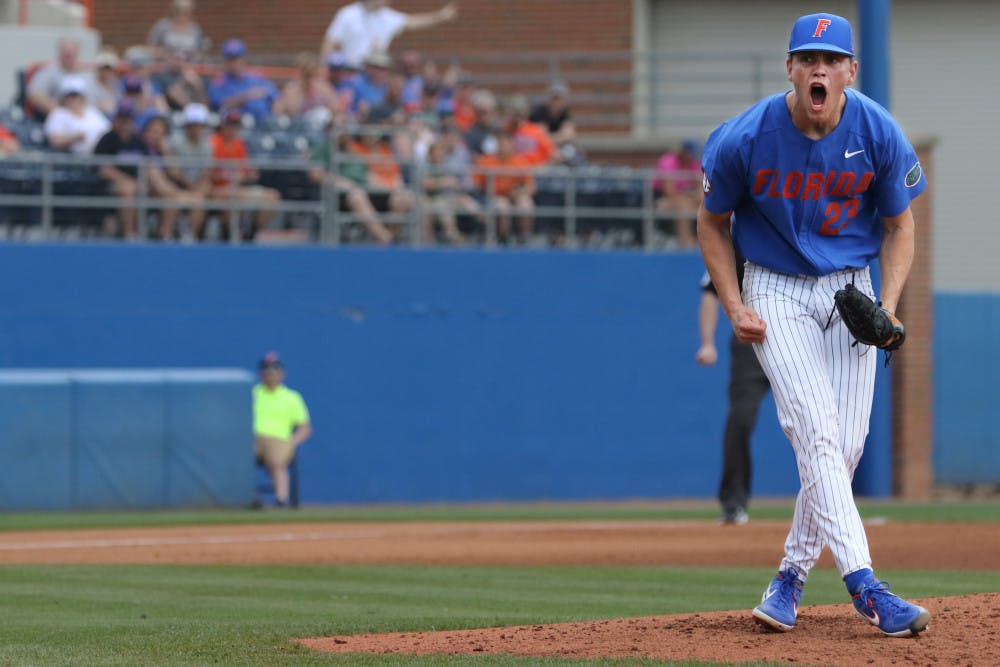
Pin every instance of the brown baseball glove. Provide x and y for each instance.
(868, 322)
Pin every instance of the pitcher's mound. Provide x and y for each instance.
(964, 631)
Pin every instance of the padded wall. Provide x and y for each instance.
(126, 439)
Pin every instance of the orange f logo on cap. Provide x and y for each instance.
(821, 26)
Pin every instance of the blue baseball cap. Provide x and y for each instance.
(270, 360)
(822, 32)
(125, 109)
(233, 48)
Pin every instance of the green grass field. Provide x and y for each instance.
(236, 615)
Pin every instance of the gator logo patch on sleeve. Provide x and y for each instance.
(706, 185)
(913, 175)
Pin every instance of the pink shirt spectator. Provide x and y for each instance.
(674, 163)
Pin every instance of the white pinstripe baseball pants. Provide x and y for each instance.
(823, 388)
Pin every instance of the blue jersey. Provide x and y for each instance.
(805, 206)
(225, 86)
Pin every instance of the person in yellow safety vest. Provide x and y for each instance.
(280, 424)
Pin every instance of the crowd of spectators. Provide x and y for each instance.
(410, 146)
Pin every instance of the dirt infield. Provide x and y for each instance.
(964, 631)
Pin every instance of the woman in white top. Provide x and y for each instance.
(75, 125)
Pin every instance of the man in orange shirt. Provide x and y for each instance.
(232, 179)
(506, 181)
(384, 180)
(531, 140)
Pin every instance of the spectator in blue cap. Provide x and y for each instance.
(235, 87)
(137, 81)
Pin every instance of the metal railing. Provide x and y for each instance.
(44, 194)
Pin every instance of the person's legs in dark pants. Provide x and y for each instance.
(747, 387)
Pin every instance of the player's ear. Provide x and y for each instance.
(788, 66)
(854, 71)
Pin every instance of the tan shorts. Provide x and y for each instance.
(273, 451)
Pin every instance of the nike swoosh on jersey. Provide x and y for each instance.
(848, 154)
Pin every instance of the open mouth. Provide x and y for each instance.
(817, 95)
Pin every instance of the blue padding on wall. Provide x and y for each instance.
(126, 438)
(122, 450)
(38, 441)
(966, 391)
(208, 429)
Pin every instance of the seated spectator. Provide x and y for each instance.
(309, 91)
(348, 181)
(391, 109)
(446, 193)
(446, 84)
(233, 180)
(192, 144)
(481, 135)
(463, 110)
(344, 80)
(373, 84)
(109, 87)
(427, 112)
(178, 35)
(531, 140)
(43, 90)
(122, 179)
(381, 175)
(235, 87)
(411, 67)
(458, 157)
(75, 125)
(554, 116)
(422, 129)
(180, 82)
(154, 135)
(137, 81)
(135, 91)
(506, 181)
(678, 186)
(8, 142)
(419, 75)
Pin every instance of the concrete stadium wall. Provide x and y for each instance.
(431, 375)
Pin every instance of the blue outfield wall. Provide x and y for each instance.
(966, 389)
(431, 375)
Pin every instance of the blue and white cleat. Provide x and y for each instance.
(780, 603)
(892, 614)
